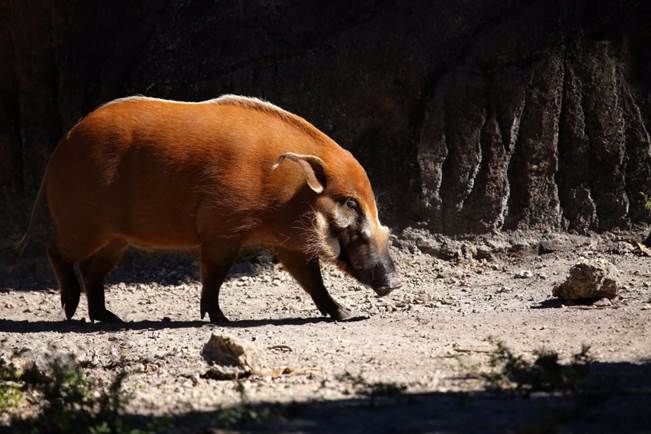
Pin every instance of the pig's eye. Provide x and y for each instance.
(351, 203)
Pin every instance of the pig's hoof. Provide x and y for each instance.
(69, 307)
(218, 317)
(342, 314)
(106, 316)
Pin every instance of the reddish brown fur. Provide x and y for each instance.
(160, 174)
(168, 175)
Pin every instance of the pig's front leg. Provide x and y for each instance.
(307, 273)
(216, 260)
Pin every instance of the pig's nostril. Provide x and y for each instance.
(386, 283)
(393, 282)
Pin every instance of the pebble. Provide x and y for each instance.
(523, 274)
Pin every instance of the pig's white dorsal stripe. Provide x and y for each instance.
(241, 101)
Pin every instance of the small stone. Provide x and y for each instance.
(549, 246)
(229, 358)
(590, 279)
(484, 252)
(646, 307)
(523, 274)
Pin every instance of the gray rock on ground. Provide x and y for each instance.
(590, 279)
(229, 359)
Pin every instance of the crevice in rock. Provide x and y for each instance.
(604, 126)
(478, 213)
(517, 108)
(445, 170)
(432, 152)
(573, 176)
(638, 153)
(480, 160)
(535, 201)
(516, 200)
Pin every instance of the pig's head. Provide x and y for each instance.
(344, 225)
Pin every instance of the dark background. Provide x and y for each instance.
(471, 116)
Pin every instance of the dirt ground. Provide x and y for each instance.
(432, 336)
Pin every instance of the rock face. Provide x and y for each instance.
(471, 116)
(589, 280)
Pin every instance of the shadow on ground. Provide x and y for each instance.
(619, 404)
(556, 303)
(77, 326)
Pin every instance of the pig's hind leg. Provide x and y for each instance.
(64, 272)
(94, 270)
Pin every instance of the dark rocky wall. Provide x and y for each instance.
(471, 115)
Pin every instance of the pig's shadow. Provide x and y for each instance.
(77, 326)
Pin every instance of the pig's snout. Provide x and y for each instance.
(370, 266)
(385, 278)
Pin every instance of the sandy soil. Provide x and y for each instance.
(431, 335)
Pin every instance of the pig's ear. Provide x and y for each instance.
(313, 166)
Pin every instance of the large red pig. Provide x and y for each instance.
(220, 176)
